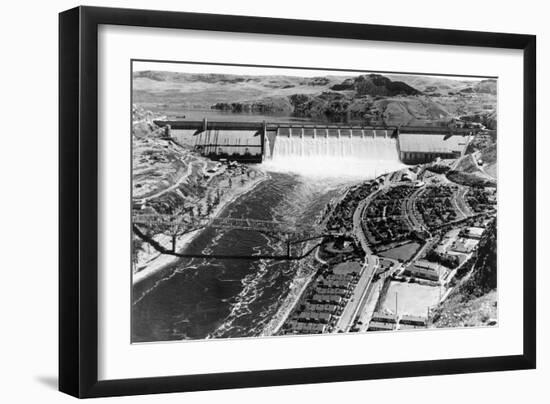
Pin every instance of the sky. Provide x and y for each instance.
(258, 71)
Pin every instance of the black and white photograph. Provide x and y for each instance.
(275, 202)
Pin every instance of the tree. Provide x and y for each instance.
(137, 244)
(178, 224)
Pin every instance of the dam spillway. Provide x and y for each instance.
(331, 143)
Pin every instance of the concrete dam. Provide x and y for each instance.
(260, 142)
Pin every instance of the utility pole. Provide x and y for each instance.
(288, 247)
(396, 294)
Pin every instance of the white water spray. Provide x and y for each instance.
(333, 157)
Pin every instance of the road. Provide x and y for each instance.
(180, 180)
(359, 294)
(371, 263)
(459, 202)
(410, 211)
(366, 310)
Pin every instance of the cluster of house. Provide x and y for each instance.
(388, 322)
(341, 217)
(457, 243)
(482, 199)
(322, 304)
(383, 220)
(435, 206)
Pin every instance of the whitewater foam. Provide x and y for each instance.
(331, 157)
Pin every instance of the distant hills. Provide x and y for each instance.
(484, 86)
(375, 85)
(371, 98)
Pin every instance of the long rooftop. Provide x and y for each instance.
(434, 143)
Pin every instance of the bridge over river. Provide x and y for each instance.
(411, 144)
(289, 233)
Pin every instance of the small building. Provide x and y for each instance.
(424, 270)
(331, 291)
(312, 316)
(422, 273)
(465, 245)
(324, 308)
(319, 298)
(378, 317)
(307, 328)
(410, 327)
(379, 326)
(412, 321)
(473, 232)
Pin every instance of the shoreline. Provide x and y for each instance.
(274, 326)
(161, 261)
(286, 307)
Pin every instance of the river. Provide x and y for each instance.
(205, 298)
(212, 298)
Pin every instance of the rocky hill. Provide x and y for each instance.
(375, 85)
(473, 302)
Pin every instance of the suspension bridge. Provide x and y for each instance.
(289, 233)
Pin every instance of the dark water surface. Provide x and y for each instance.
(203, 298)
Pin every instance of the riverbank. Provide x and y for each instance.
(293, 297)
(161, 261)
(301, 282)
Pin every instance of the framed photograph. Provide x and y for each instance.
(251, 201)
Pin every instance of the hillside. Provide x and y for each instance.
(205, 90)
(375, 85)
(475, 312)
(370, 98)
(484, 86)
(473, 302)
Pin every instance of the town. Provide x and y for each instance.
(409, 238)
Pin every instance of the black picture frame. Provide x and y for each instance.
(78, 201)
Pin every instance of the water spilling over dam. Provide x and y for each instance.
(331, 152)
(348, 145)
